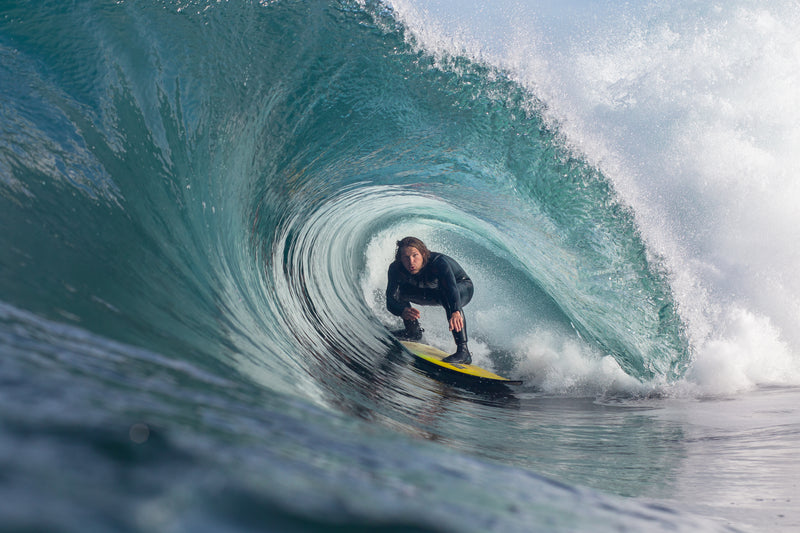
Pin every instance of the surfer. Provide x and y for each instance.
(428, 278)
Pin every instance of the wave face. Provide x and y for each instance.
(253, 175)
(689, 112)
(200, 201)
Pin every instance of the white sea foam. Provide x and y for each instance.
(692, 110)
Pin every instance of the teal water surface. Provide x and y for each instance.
(199, 201)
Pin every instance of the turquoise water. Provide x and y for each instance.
(199, 201)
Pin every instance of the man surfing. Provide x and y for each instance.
(428, 278)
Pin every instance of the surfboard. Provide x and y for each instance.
(473, 373)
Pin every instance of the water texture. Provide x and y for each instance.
(199, 201)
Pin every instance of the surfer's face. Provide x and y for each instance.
(411, 259)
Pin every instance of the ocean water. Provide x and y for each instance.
(199, 201)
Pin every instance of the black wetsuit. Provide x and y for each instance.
(441, 281)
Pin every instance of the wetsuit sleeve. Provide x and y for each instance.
(394, 305)
(451, 298)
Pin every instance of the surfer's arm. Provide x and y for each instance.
(393, 305)
(451, 299)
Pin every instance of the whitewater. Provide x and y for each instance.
(199, 201)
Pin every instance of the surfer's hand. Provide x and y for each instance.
(409, 313)
(456, 321)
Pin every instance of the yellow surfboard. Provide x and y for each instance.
(473, 373)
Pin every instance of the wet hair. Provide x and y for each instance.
(416, 243)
